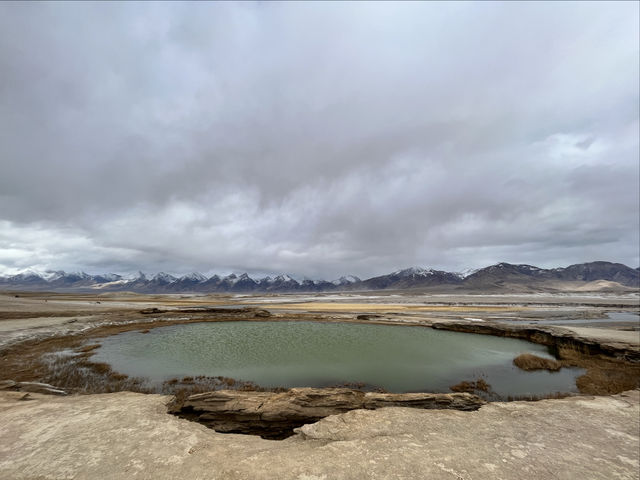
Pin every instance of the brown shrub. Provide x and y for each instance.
(75, 373)
(249, 387)
(463, 387)
(604, 375)
(230, 382)
(471, 387)
(529, 362)
(535, 398)
(482, 385)
(100, 368)
(607, 381)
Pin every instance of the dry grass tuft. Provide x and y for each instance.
(535, 398)
(604, 375)
(229, 382)
(75, 373)
(99, 368)
(362, 386)
(607, 381)
(530, 362)
(471, 387)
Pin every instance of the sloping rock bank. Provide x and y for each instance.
(130, 436)
(561, 339)
(275, 415)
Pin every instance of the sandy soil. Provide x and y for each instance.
(389, 307)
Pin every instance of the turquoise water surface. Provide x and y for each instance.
(317, 354)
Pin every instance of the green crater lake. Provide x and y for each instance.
(318, 354)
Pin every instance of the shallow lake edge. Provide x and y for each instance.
(23, 361)
(368, 357)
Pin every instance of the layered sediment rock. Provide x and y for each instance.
(275, 415)
(559, 338)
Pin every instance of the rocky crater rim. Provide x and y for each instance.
(276, 415)
(613, 367)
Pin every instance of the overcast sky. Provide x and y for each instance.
(317, 139)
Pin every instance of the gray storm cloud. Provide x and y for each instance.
(317, 138)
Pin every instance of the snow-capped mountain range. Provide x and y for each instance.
(493, 277)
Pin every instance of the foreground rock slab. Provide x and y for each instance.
(275, 415)
(127, 435)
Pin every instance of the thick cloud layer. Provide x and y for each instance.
(317, 139)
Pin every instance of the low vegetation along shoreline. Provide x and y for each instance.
(610, 368)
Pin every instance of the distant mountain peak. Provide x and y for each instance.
(498, 276)
(466, 272)
(194, 277)
(164, 277)
(31, 274)
(415, 271)
(284, 278)
(138, 276)
(346, 280)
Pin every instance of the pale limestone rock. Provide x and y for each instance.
(130, 436)
(275, 415)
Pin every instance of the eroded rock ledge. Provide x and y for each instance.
(275, 415)
(559, 338)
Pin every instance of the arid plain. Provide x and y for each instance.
(518, 439)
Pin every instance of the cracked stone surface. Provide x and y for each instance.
(129, 435)
(275, 415)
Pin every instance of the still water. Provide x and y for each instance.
(314, 354)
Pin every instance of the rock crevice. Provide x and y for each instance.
(275, 415)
